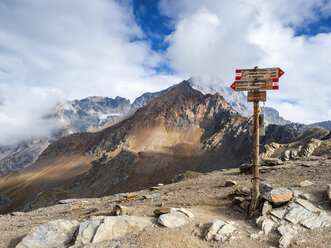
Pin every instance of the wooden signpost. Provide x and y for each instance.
(256, 82)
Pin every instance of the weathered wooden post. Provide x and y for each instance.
(256, 82)
(256, 162)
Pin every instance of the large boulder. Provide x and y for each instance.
(279, 196)
(114, 227)
(171, 220)
(57, 233)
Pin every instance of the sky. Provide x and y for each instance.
(52, 51)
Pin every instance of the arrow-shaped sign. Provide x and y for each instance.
(245, 85)
(263, 73)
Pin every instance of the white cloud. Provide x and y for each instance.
(55, 50)
(216, 37)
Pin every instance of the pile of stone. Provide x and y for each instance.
(283, 212)
(267, 164)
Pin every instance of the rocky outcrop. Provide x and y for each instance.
(58, 233)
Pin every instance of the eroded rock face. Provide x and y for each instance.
(57, 233)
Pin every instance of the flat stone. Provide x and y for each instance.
(316, 220)
(229, 183)
(114, 227)
(172, 220)
(306, 183)
(309, 197)
(279, 196)
(68, 201)
(57, 233)
(297, 213)
(17, 213)
(278, 213)
(271, 161)
(152, 196)
(310, 163)
(307, 205)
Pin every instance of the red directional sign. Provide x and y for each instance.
(265, 73)
(245, 85)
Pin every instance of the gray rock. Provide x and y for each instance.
(68, 201)
(213, 229)
(155, 196)
(57, 233)
(306, 183)
(265, 223)
(172, 220)
(271, 161)
(287, 233)
(309, 197)
(279, 196)
(114, 227)
(220, 230)
(87, 230)
(229, 183)
(278, 213)
(307, 205)
(265, 188)
(310, 147)
(225, 232)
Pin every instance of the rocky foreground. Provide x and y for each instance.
(201, 210)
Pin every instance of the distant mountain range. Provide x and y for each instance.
(94, 113)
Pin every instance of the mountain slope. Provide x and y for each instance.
(179, 130)
(88, 114)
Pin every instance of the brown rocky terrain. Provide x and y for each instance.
(206, 196)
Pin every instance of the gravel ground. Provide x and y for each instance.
(205, 196)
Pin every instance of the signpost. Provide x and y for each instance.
(256, 82)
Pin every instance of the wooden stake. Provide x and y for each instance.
(256, 148)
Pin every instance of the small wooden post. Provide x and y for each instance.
(256, 150)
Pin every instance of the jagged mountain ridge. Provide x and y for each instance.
(74, 117)
(179, 130)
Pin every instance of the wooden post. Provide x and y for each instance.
(256, 150)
